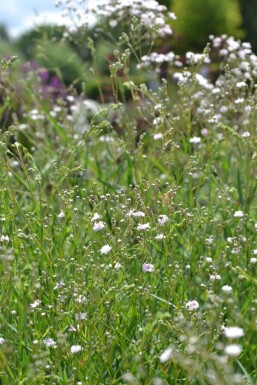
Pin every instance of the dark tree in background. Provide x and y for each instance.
(249, 14)
(197, 19)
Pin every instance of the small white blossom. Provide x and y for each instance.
(117, 266)
(105, 249)
(4, 238)
(163, 219)
(233, 350)
(143, 226)
(195, 140)
(2, 341)
(166, 355)
(192, 305)
(35, 304)
(226, 289)
(241, 84)
(158, 136)
(148, 268)
(160, 237)
(253, 260)
(239, 214)
(215, 277)
(75, 349)
(246, 134)
(98, 226)
(61, 215)
(137, 214)
(233, 332)
(95, 217)
(50, 342)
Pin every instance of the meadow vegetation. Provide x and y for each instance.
(128, 223)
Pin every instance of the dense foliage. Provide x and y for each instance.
(128, 224)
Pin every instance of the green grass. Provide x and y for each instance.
(58, 290)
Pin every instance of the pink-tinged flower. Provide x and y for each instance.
(105, 249)
(148, 268)
(192, 305)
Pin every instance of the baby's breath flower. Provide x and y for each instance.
(192, 305)
(133, 213)
(158, 136)
(4, 238)
(98, 226)
(143, 226)
(163, 219)
(160, 237)
(50, 342)
(75, 349)
(35, 304)
(105, 249)
(253, 260)
(233, 332)
(95, 217)
(166, 355)
(117, 266)
(61, 215)
(226, 289)
(239, 214)
(233, 350)
(195, 140)
(148, 268)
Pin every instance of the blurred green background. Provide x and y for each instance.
(196, 20)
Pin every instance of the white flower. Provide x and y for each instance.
(75, 349)
(226, 289)
(98, 226)
(95, 217)
(162, 219)
(195, 140)
(239, 214)
(192, 305)
(105, 249)
(158, 136)
(2, 340)
(4, 238)
(61, 215)
(241, 84)
(233, 350)
(215, 277)
(166, 355)
(253, 260)
(133, 213)
(148, 268)
(143, 226)
(246, 134)
(50, 342)
(160, 237)
(35, 304)
(80, 316)
(233, 332)
(117, 266)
